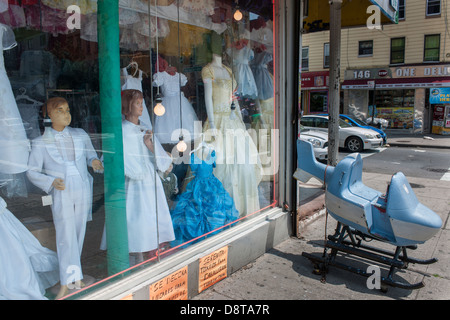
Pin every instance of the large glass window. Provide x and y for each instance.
(396, 106)
(318, 101)
(195, 125)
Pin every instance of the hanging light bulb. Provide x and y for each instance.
(237, 14)
(181, 145)
(159, 109)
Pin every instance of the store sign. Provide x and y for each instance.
(315, 80)
(398, 72)
(439, 95)
(172, 287)
(370, 73)
(212, 268)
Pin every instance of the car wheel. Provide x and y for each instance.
(354, 144)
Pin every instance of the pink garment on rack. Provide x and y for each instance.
(47, 19)
(14, 16)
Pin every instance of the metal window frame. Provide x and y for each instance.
(425, 48)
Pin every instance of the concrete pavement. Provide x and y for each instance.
(284, 274)
(401, 139)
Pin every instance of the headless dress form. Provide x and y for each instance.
(238, 165)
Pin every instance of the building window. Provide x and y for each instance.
(433, 7)
(318, 101)
(326, 55)
(432, 47)
(401, 10)
(305, 58)
(365, 48)
(305, 8)
(397, 50)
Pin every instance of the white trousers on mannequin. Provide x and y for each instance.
(70, 214)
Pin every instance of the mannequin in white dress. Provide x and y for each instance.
(58, 166)
(149, 223)
(238, 165)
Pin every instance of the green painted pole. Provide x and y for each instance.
(110, 104)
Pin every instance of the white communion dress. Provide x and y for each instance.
(168, 125)
(148, 216)
(238, 165)
(14, 144)
(26, 267)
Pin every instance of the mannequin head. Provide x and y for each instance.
(58, 111)
(132, 103)
(216, 43)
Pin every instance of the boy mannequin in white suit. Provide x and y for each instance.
(58, 165)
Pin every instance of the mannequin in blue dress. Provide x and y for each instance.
(205, 205)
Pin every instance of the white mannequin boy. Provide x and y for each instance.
(59, 167)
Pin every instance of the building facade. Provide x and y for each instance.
(392, 66)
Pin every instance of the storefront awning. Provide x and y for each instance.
(423, 82)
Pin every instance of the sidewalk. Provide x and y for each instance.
(284, 274)
(401, 139)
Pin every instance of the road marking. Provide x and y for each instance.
(446, 176)
(365, 155)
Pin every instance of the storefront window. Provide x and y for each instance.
(198, 163)
(318, 101)
(396, 106)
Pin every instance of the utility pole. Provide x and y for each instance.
(334, 88)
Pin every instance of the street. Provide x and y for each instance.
(284, 274)
(427, 163)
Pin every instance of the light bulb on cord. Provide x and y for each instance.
(159, 109)
(237, 14)
(181, 145)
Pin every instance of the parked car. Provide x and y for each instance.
(355, 139)
(378, 122)
(359, 123)
(318, 139)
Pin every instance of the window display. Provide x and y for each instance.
(396, 106)
(198, 135)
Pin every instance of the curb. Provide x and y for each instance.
(412, 145)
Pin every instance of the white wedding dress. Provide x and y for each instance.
(26, 267)
(13, 139)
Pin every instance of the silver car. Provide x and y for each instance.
(355, 139)
(318, 139)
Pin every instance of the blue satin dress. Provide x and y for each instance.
(205, 206)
